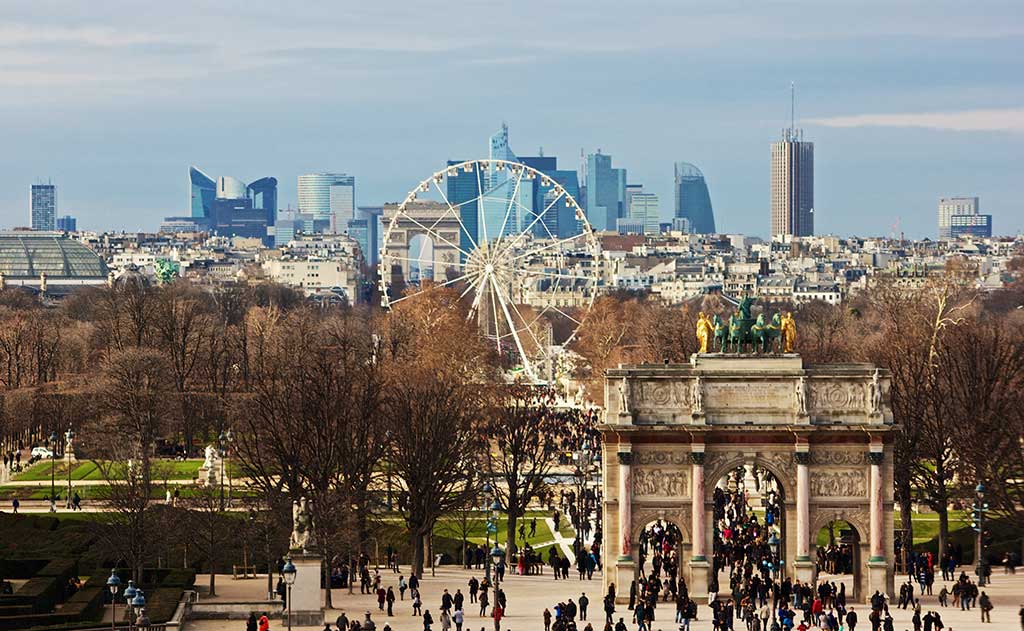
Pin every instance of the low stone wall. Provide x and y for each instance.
(234, 610)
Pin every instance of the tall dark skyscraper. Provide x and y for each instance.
(203, 191)
(463, 190)
(44, 207)
(606, 192)
(693, 202)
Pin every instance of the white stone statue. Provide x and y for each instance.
(697, 396)
(211, 457)
(624, 397)
(301, 525)
(800, 393)
(876, 393)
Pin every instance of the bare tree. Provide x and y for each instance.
(522, 432)
(434, 445)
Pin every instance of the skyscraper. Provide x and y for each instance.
(606, 192)
(463, 189)
(329, 197)
(643, 207)
(499, 189)
(793, 185)
(203, 191)
(366, 229)
(67, 223)
(44, 206)
(955, 206)
(693, 202)
(792, 180)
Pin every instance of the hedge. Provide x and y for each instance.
(184, 578)
(162, 603)
(86, 604)
(21, 568)
(44, 592)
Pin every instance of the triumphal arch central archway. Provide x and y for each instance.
(823, 432)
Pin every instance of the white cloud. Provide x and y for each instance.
(1010, 119)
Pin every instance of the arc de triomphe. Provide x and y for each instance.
(671, 432)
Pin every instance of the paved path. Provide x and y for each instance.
(563, 543)
(529, 595)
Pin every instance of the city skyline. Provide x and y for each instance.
(134, 109)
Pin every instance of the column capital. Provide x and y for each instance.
(802, 457)
(876, 457)
(697, 457)
(625, 457)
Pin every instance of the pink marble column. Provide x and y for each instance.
(803, 506)
(697, 516)
(625, 505)
(877, 521)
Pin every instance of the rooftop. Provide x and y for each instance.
(25, 254)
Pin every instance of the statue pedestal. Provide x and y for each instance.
(306, 607)
(700, 571)
(878, 576)
(624, 573)
(803, 570)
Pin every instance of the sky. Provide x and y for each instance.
(905, 101)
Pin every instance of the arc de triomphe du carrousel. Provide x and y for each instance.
(822, 433)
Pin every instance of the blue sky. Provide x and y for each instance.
(905, 101)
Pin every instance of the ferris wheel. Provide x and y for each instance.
(511, 240)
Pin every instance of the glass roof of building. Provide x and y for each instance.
(29, 254)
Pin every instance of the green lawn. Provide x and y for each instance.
(451, 527)
(102, 492)
(89, 470)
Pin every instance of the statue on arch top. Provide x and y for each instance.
(744, 307)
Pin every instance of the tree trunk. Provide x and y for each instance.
(326, 569)
(213, 578)
(906, 521)
(416, 541)
(943, 511)
(510, 536)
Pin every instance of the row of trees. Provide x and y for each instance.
(330, 405)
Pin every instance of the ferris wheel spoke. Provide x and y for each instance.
(437, 235)
(494, 311)
(458, 216)
(437, 286)
(512, 327)
(512, 201)
(512, 244)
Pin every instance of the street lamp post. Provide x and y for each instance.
(979, 526)
(496, 555)
(68, 437)
(113, 583)
(129, 594)
(138, 608)
(289, 579)
(486, 489)
(53, 469)
(222, 442)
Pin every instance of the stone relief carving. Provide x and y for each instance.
(829, 395)
(840, 458)
(659, 482)
(662, 457)
(714, 459)
(845, 483)
(782, 461)
(663, 394)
